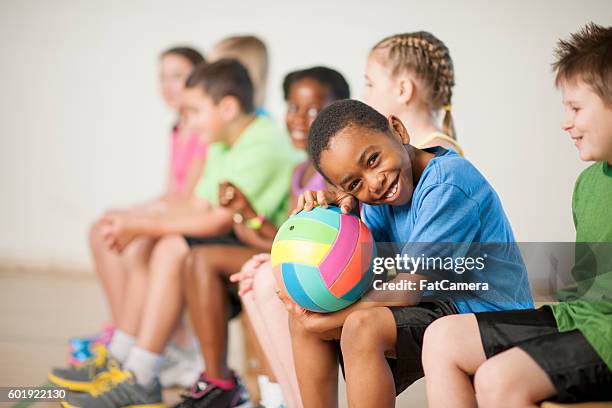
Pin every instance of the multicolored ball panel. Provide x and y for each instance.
(322, 259)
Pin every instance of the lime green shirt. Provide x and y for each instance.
(259, 163)
(591, 313)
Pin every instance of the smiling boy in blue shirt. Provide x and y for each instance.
(425, 200)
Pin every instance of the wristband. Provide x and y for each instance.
(255, 223)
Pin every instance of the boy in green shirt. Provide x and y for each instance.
(246, 150)
(562, 351)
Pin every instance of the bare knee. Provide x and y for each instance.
(362, 332)
(496, 389)
(437, 349)
(96, 240)
(171, 249)
(264, 284)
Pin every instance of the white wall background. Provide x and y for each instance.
(82, 127)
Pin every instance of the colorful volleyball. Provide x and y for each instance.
(322, 259)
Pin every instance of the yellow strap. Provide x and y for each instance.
(446, 138)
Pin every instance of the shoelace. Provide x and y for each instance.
(107, 380)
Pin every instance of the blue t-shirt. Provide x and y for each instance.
(454, 204)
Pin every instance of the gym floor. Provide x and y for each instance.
(40, 310)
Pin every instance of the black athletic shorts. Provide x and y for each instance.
(229, 239)
(411, 323)
(569, 360)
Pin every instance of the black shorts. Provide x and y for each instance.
(411, 323)
(229, 239)
(569, 360)
(235, 307)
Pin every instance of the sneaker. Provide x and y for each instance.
(81, 348)
(117, 388)
(206, 394)
(80, 378)
(181, 367)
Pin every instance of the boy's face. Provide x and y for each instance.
(588, 120)
(373, 166)
(202, 114)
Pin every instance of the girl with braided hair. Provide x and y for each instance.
(411, 76)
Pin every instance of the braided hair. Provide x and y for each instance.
(428, 58)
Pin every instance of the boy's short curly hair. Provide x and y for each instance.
(336, 117)
(330, 78)
(587, 56)
(225, 77)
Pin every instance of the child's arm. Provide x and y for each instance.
(321, 323)
(232, 198)
(192, 219)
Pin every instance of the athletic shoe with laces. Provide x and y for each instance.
(206, 393)
(80, 378)
(80, 349)
(117, 388)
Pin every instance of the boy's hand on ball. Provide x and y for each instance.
(310, 199)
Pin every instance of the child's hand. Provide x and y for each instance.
(309, 199)
(320, 324)
(116, 231)
(230, 196)
(247, 273)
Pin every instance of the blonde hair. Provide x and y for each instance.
(428, 58)
(253, 54)
(587, 55)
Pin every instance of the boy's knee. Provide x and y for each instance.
(360, 332)
(494, 389)
(435, 342)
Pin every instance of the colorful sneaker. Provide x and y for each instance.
(80, 378)
(81, 348)
(180, 366)
(211, 393)
(116, 388)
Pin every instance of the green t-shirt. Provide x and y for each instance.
(259, 163)
(591, 311)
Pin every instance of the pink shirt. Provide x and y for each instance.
(182, 153)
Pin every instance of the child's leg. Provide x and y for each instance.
(512, 379)
(164, 299)
(452, 351)
(270, 322)
(135, 260)
(110, 271)
(207, 299)
(368, 336)
(316, 366)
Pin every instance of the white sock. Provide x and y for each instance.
(144, 364)
(120, 345)
(271, 394)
